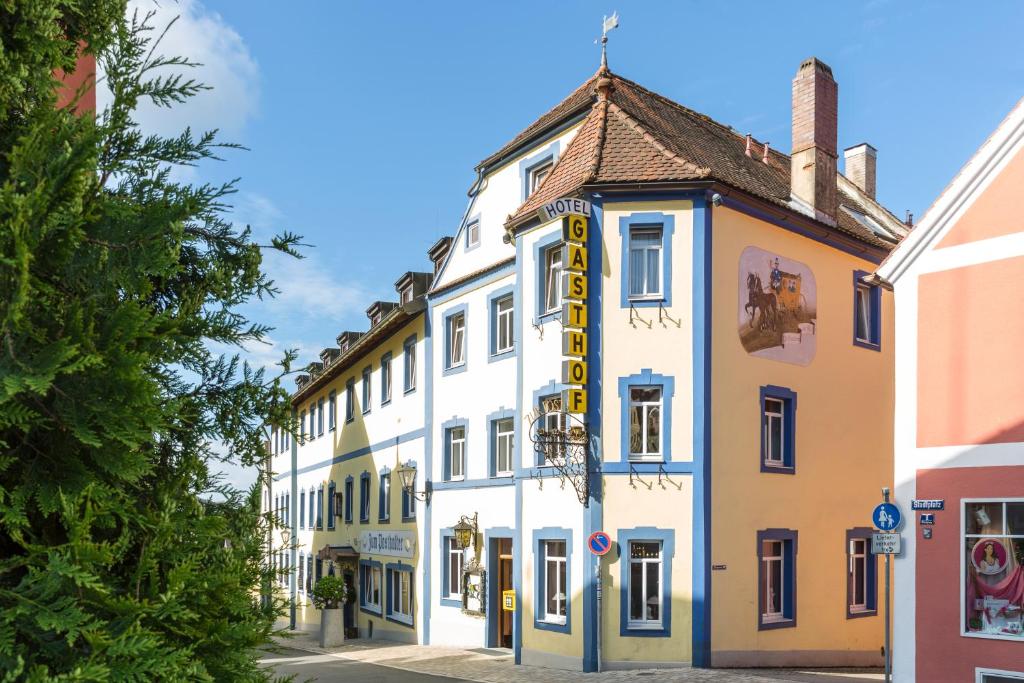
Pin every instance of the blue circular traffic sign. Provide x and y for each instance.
(886, 517)
(599, 543)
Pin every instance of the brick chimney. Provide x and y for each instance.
(815, 114)
(860, 167)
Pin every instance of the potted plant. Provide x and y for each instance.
(329, 594)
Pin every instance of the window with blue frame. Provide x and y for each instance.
(302, 509)
(320, 417)
(455, 453)
(502, 325)
(551, 279)
(409, 503)
(502, 446)
(645, 602)
(867, 312)
(302, 426)
(537, 173)
(645, 277)
(409, 353)
(332, 410)
(385, 379)
(364, 497)
(778, 429)
(312, 508)
(453, 564)
(553, 594)
(455, 340)
(367, 373)
(384, 497)
(349, 486)
(370, 586)
(312, 420)
(646, 270)
(332, 508)
(399, 593)
(861, 574)
(776, 578)
(350, 400)
(320, 507)
(473, 234)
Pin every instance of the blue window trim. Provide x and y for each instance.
(668, 547)
(350, 399)
(446, 316)
(788, 398)
(874, 315)
(320, 416)
(527, 165)
(789, 549)
(332, 410)
(492, 441)
(312, 421)
(552, 388)
(474, 220)
(364, 606)
(302, 427)
(668, 389)
(364, 497)
(312, 509)
(492, 312)
(320, 506)
(383, 507)
(390, 568)
(540, 249)
(385, 361)
(331, 511)
(647, 219)
(367, 380)
(408, 501)
(447, 536)
(408, 349)
(349, 495)
(871, 567)
(549, 533)
(302, 509)
(446, 427)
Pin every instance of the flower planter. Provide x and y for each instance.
(332, 630)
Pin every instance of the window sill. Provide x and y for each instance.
(769, 623)
(548, 317)
(644, 631)
(401, 620)
(452, 602)
(777, 469)
(993, 636)
(501, 475)
(557, 627)
(873, 346)
(370, 609)
(384, 520)
(501, 355)
(409, 390)
(364, 521)
(647, 302)
(454, 370)
(646, 460)
(385, 403)
(408, 519)
(858, 613)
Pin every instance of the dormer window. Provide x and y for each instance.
(406, 295)
(539, 173)
(374, 320)
(344, 347)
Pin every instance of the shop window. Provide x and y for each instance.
(778, 430)
(400, 594)
(861, 574)
(867, 312)
(992, 572)
(776, 556)
(370, 585)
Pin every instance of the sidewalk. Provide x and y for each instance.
(496, 666)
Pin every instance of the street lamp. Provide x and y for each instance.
(407, 478)
(465, 532)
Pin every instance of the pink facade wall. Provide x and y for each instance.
(996, 212)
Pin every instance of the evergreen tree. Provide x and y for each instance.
(115, 280)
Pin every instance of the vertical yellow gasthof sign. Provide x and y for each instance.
(574, 313)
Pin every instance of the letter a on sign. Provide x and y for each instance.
(575, 229)
(574, 257)
(574, 372)
(574, 343)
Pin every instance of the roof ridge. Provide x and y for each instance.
(602, 123)
(637, 127)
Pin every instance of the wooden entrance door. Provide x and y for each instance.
(504, 584)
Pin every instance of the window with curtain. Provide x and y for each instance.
(992, 571)
(645, 277)
(401, 595)
(554, 582)
(645, 563)
(645, 422)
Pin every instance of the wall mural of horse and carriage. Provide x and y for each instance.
(778, 307)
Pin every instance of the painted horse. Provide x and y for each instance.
(758, 298)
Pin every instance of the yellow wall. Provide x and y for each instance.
(843, 451)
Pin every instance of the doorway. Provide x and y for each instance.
(348, 611)
(502, 582)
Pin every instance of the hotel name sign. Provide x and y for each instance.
(391, 543)
(574, 307)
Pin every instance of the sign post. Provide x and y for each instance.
(887, 518)
(599, 544)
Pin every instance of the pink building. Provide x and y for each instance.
(959, 424)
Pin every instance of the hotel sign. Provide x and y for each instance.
(574, 307)
(390, 543)
(564, 207)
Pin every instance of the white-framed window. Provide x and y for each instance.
(554, 424)
(858, 571)
(862, 316)
(504, 433)
(385, 379)
(456, 452)
(384, 513)
(552, 278)
(406, 295)
(997, 676)
(401, 595)
(774, 432)
(773, 596)
(371, 587)
(455, 559)
(993, 552)
(456, 339)
(554, 582)
(409, 351)
(504, 338)
(539, 173)
(473, 234)
(645, 262)
(367, 388)
(645, 417)
(645, 567)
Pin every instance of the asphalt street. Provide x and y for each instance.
(308, 666)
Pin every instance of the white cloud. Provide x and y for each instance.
(228, 67)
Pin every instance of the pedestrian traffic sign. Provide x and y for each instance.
(886, 517)
(885, 544)
(599, 543)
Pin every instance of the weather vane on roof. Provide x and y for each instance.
(609, 23)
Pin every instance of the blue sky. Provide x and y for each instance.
(365, 119)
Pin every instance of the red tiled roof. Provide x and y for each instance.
(639, 136)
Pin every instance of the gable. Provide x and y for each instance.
(996, 211)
